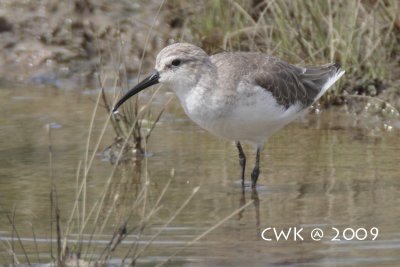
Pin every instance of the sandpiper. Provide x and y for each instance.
(242, 96)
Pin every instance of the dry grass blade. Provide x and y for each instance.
(131, 112)
(157, 119)
(360, 35)
(54, 205)
(95, 211)
(11, 221)
(206, 232)
(9, 248)
(177, 212)
(36, 244)
(156, 206)
(149, 34)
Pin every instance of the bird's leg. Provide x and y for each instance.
(256, 170)
(242, 160)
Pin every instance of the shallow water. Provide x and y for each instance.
(319, 172)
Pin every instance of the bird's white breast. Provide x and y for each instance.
(247, 114)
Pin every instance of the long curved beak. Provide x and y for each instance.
(147, 82)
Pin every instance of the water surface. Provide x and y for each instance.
(321, 171)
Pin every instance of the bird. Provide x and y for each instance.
(240, 96)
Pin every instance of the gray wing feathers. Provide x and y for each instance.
(290, 84)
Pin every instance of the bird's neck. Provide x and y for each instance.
(197, 99)
(197, 85)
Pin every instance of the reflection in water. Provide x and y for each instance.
(319, 172)
(256, 203)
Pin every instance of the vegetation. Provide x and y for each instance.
(135, 121)
(126, 203)
(361, 35)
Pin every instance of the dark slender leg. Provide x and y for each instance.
(256, 170)
(242, 160)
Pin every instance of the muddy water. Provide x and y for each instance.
(320, 172)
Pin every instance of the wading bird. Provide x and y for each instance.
(242, 96)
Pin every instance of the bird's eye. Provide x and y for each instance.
(175, 62)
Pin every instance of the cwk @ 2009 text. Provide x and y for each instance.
(318, 234)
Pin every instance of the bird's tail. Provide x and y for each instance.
(323, 77)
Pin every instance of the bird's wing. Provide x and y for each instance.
(288, 84)
(285, 82)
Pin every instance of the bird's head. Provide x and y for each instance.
(179, 66)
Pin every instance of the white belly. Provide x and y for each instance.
(250, 117)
